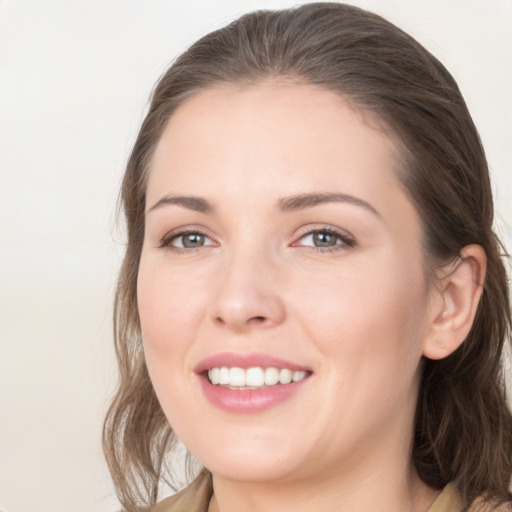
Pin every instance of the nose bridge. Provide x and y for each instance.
(247, 292)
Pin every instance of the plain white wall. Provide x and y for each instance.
(74, 80)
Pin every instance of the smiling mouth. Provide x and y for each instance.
(253, 378)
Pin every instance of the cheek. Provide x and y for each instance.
(169, 311)
(368, 327)
(372, 310)
(168, 306)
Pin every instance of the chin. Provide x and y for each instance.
(248, 465)
(255, 472)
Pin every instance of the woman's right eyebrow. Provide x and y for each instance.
(198, 204)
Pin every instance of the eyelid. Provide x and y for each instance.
(347, 240)
(165, 242)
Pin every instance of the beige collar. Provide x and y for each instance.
(448, 501)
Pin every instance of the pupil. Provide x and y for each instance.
(323, 239)
(193, 240)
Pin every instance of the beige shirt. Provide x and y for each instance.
(196, 498)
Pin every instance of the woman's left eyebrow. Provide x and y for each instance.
(302, 201)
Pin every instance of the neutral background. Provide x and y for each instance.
(74, 81)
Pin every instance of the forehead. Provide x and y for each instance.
(272, 130)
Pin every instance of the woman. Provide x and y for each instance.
(312, 297)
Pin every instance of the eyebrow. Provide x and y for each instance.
(285, 204)
(302, 201)
(198, 204)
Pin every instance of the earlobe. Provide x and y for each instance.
(458, 293)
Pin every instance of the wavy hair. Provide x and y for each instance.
(463, 428)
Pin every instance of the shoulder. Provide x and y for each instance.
(482, 506)
(194, 498)
(450, 500)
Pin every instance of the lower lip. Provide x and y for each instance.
(251, 400)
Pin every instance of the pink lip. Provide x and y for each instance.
(245, 361)
(247, 401)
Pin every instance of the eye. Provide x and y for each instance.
(325, 239)
(186, 240)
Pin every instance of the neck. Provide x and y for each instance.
(382, 486)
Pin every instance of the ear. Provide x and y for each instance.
(454, 302)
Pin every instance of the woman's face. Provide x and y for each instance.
(280, 245)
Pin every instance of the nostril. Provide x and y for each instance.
(253, 320)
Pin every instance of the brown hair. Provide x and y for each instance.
(463, 430)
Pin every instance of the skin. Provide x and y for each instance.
(359, 314)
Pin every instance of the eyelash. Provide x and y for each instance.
(347, 241)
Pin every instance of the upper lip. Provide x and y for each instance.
(248, 360)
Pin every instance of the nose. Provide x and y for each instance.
(248, 294)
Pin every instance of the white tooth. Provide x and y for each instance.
(298, 375)
(271, 376)
(224, 376)
(285, 376)
(236, 377)
(254, 377)
(214, 375)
